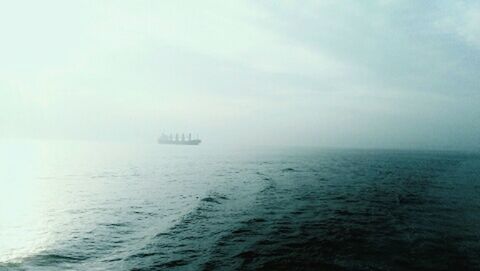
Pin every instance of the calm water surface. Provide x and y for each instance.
(98, 206)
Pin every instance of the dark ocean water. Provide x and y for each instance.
(90, 206)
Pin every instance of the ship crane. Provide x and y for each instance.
(178, 139)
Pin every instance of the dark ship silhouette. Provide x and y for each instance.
(178, 140)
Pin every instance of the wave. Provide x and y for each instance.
(186, 242)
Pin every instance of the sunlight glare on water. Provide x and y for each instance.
(21, 210)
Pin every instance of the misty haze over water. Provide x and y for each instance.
(333, 135)
(382, 74)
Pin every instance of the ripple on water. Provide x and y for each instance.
(336, 211)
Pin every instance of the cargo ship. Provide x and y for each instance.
(178, 139)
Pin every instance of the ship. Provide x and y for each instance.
(178, 139)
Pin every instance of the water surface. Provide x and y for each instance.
(99, 206)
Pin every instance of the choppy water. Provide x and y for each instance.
(84, 206)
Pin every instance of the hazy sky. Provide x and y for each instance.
(401, 74)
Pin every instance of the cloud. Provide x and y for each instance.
(462, 19)
(331, 72)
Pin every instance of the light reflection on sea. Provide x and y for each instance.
(112, 206)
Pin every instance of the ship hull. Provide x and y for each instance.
(186, 142)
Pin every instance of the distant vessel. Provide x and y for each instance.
(178, 140)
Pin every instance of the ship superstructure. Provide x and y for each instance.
(178, 139)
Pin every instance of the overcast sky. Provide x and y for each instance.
(390, 74)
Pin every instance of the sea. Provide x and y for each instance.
(127, 206)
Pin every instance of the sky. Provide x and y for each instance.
(363, 74)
